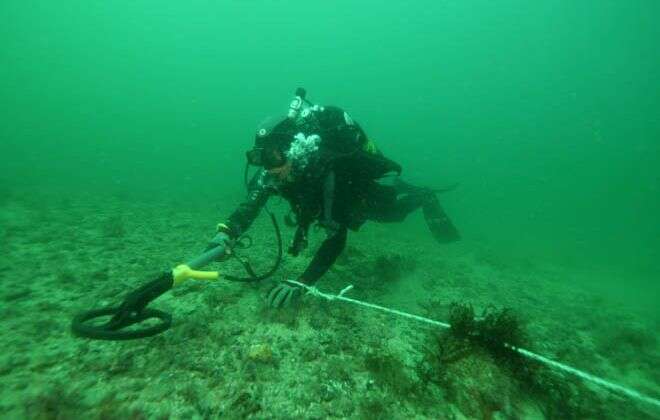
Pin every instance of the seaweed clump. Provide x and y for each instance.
(471, 363)
(498, 331)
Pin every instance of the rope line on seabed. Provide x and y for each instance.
(531, 355)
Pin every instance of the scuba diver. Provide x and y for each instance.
(322, 162)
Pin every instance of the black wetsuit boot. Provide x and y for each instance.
(441, 227)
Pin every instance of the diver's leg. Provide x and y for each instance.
(384, 204)
(439, 224)
(387, 206)
(398, 210)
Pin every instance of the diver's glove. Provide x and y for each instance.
(283, 294)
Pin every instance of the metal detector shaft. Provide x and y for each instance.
(209, 255)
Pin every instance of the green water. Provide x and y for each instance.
(547, 113)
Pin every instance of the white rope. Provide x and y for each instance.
(588, 377)
(584, 375)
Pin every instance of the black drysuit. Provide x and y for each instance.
(337, 188)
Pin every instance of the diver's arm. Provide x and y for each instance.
(334, 244)
(259, 190)
(325, 256)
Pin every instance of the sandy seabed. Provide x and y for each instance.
(228, 355)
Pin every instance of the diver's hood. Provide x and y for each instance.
(274, 131)
(275, 135)
(272, 139)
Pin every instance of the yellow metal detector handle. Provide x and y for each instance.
(183, 272)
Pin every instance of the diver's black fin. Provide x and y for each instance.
(441, 227)
(403, 187)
